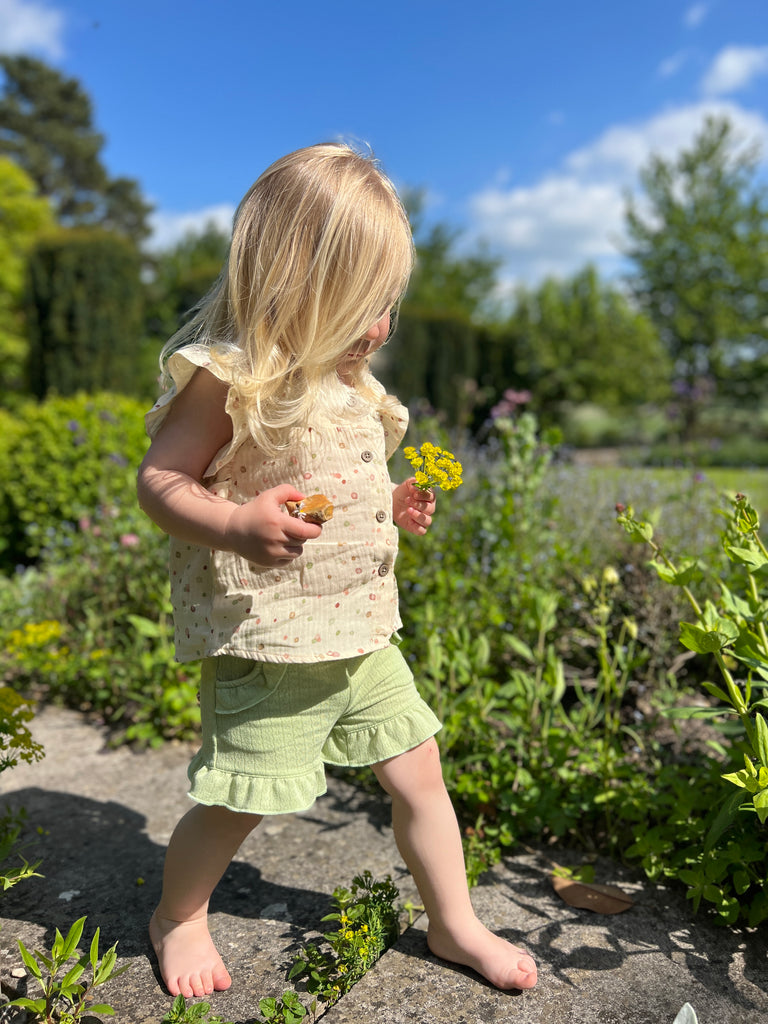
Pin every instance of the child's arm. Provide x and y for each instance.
(412, 509)
(171, 492)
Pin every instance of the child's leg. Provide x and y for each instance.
(201, 847)
(429, 841)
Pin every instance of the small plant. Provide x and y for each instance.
(195, 1013)
(16, 744)
(288, 1009)
(65, 999)
(368, 926)
(733, 631)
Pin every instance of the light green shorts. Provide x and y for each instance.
(268, 729)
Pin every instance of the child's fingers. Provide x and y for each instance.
(420, 521)
(298, 530)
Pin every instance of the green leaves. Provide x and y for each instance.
(732, 630)
(66, 997)
(751, 558)
(195, 1013)
(678, 577)
(707, 641)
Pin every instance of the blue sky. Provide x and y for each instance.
(523, 121)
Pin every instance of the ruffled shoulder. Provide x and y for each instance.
(393, 415)
(181, 368)
(394, 418)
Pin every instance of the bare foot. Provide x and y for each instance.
(189, 962)
(501, 963)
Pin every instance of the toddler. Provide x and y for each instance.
(271, 400)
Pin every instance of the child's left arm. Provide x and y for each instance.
(412, 509)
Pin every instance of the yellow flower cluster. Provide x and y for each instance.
(35, 634)
(434, 467)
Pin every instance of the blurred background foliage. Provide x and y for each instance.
(671, 359)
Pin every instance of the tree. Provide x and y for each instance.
(579, 340)
(446, 281)
(23, 216)
(46, 126)
(83, 313)
(443, 327)
(700, 244)
(181, 276)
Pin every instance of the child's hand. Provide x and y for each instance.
(412, 509)
(261, 531)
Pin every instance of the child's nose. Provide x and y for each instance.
(379, 330)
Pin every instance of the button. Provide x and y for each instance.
(383, 569)
(381, 515)
(366, 456)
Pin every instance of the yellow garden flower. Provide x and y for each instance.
(434, 467)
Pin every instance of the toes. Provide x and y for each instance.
(220, 978)
(525, 976)
(196, 985)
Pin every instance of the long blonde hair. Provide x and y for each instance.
(321, 248)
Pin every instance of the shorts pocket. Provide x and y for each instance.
(242, 683)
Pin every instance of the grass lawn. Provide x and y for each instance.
(680, 503)
(752, 482)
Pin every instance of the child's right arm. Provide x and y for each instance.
(172, 494)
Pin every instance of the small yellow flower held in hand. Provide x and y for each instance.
(434, 467)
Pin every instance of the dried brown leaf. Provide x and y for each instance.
(601, 899)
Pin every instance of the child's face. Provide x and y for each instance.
(370, 342)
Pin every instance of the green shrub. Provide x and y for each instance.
(90, 626)
(727, 869)
(60, 460)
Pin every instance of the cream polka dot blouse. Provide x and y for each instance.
(339, 598)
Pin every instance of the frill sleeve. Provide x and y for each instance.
(393, 415)
(181, 367)
(394, 418)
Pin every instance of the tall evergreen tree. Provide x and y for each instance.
(84, 311)
(46, 127)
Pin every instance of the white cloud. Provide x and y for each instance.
(672, 65)
(695, 14)
(734, 68)
(169, 228)
(575, 214)
(26, 25)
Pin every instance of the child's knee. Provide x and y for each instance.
(414, 775)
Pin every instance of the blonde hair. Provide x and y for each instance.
(321, 249)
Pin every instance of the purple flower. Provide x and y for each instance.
(510, 400)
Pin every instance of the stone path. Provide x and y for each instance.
(107, 815)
